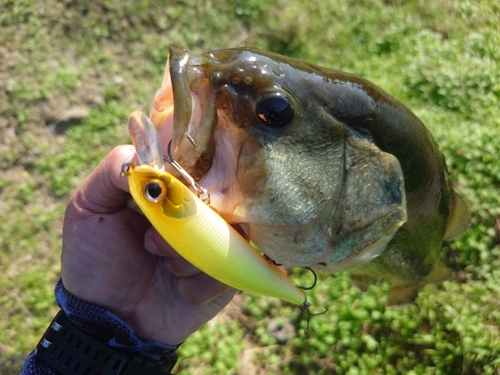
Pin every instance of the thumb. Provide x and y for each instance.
(104, 190)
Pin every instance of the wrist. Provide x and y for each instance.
(67, 349)
(100, 331)
(107, 327)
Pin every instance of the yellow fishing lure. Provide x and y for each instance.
(203, 238)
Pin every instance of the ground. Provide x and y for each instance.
(72, 71)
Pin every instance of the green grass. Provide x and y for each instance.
(441, 58)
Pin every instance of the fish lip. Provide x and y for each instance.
(177, 60)
(194, 111)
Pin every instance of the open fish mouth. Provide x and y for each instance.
(192, 113)
(184, 111)
(185, 115)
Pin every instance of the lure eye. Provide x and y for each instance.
(274, 110)
(153, 191)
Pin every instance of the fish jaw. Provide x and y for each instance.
(162, 111)
(179, 112)
(191, 110)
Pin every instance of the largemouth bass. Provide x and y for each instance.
(320, 168)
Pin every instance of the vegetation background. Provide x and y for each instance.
(70, 73)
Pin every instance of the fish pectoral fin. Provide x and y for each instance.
(459, 219)
(441, 273)
(363, 282)
(403, 293)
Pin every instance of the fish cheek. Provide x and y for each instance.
(373, 201)
(251, 171)
(303, 180)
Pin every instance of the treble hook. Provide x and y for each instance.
(126, 168)
(203, 193)
(314, 282)
(306, 305)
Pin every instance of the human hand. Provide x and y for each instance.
(112, 257)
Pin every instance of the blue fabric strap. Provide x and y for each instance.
(102, 326)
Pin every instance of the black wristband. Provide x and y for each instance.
(69, 350)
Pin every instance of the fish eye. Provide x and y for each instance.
(153, 191)
(274, 110)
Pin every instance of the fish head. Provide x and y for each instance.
(276, 144)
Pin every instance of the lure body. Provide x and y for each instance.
(203, 238)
